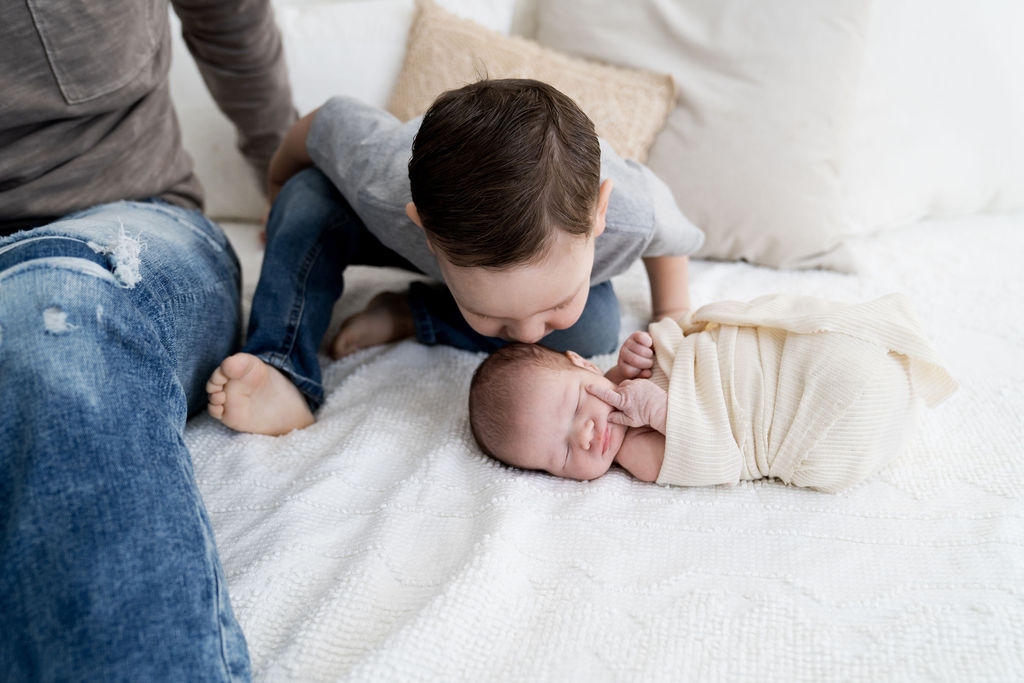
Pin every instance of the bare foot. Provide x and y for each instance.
(386, 318)
(248, 395)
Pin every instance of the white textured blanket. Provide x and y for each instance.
(380, 545)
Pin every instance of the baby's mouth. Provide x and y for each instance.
(606, 438)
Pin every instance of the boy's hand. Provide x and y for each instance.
(636, 357)
(637, 403)
(291, 156)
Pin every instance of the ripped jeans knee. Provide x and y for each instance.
(69, 337)
(157, 280)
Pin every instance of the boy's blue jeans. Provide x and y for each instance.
(111, 321)
(312, 236)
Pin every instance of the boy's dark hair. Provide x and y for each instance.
(498, 165)
(493, 389)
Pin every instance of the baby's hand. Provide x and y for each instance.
(636, 357)
(637, 403)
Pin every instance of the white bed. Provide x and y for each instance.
(380, 544)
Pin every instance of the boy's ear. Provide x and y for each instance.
(581, 362)
(603, 195)
(414, 216)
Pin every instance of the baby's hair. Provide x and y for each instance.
(493, 390)
(498, 165)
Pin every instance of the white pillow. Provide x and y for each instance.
(753, 148)
(939, 116)
(353, 47)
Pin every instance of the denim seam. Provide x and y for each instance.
(311, 389)
(65, 262)
(8, 245)
(171, 211)
(220, 625)
(298, 309)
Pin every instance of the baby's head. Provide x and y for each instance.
(505, 178)
(529, 408)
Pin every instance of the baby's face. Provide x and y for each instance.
(560, 427)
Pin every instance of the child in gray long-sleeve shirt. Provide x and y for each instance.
(502, 191)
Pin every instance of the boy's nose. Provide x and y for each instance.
(528, 331)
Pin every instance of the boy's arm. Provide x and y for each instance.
(291, 156)
(642, 453)
(670, 285)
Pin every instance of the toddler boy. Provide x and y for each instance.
(508, 198)
(815, 393)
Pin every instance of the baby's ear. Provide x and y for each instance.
(581, 362)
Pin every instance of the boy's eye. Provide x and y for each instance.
(565, 304)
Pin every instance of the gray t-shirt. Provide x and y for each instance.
(365, 151)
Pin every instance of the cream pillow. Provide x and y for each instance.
(628, 106)
(752, 150)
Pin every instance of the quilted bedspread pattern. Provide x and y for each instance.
(379, 544)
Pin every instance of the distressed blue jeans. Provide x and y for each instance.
(312, 236)
(111, 320)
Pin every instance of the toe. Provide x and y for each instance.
(340, 347)
(217, 379)
(236, 366)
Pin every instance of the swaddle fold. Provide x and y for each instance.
(815, 393)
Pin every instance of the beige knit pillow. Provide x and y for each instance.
(628, 106)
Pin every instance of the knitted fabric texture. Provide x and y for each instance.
(815, 393)
(380, 544)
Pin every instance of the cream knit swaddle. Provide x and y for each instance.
(816, 393)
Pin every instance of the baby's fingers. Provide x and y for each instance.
(609, 396)
(620, 419)
(636, 354)
(638, 360)
(640, 344)
(642, 338)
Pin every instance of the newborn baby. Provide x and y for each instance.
(815, 393)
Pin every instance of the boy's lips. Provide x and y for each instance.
(606, 438)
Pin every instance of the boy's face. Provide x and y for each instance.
(560, 428)
(525, 303)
